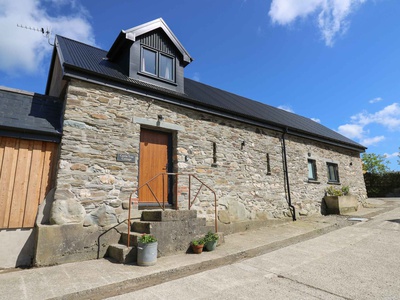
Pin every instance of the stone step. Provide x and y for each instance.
(122, 253)
(134, 236)
(159, 215)
(141, 227)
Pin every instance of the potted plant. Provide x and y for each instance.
(211, 240)
(197, 245)
(147, 250)
(339, 200)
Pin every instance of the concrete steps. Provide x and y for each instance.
(173, 229)
(122, 254)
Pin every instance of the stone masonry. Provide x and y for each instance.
(99, 123)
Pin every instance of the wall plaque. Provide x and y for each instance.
(123, 157)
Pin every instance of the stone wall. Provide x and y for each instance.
(247, 175)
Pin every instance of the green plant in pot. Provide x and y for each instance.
(333, 191)
(211, 240)
(338, 200)
(197, 245)
(147, 250)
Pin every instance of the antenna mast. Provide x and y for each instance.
(45, 32)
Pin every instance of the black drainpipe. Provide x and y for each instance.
(287, 176)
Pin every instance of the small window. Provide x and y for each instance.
(333, 172)
(149, 61)
(166, 64)
(312, 169)
(157, 64)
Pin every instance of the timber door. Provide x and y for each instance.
(26, 176)
(155, 158)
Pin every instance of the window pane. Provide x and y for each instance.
(166, 70)
(149, 61)
(333, 174)
(311, 170)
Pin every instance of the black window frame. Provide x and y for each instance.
(313, 163)
(158, 65)
(333, 172)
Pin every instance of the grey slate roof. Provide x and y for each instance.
(29, 115)
(80, 60)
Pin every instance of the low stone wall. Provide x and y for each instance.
(58, 244)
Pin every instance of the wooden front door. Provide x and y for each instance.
(155, 158)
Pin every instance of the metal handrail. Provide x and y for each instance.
(190, 204)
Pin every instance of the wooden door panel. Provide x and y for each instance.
(26, 176)
(153, 160)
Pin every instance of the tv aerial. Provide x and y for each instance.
(45, 32)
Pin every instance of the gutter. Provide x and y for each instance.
(293, 209)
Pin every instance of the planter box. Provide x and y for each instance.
(341, 204)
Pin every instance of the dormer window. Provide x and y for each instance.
(157, 64)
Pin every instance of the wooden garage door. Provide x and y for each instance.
(26, 175)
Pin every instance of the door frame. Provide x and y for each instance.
(171, 188)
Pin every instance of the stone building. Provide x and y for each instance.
(129, 114)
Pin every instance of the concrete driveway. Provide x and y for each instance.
(355, 262)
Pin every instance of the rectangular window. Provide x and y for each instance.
(333, 172)
(149, 61)
(157, 64)
(312, 169)
(166, 64)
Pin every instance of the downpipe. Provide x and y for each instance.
(292, 208)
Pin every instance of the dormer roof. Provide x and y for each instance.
(133, 33)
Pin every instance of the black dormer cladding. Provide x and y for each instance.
(158, 40)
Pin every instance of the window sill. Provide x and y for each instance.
(149, 75)
(313, 181)
(334, 183)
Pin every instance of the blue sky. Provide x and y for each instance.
(335, 61)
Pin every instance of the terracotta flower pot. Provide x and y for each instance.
(197, 248)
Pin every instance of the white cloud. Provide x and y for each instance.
(388, 117)
(393, 155)
(372, 141)
(285, 12)
(22, 50)
(331, 15)
(352, 131)
(377, 99)
(287, 108)
(316, 120)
